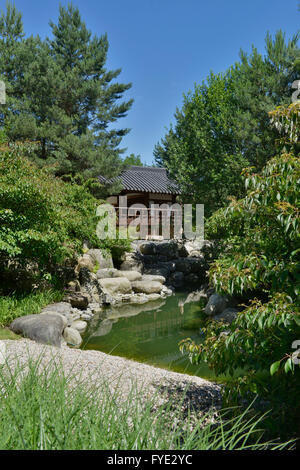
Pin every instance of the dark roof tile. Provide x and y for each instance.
(146, 179)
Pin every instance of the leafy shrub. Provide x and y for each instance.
(42, 219)
(262, 239)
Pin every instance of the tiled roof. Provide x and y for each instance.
(146, 179)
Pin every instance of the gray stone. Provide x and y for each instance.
(216, 304)
(101, 259)
(117, 285)
(227, 316)
(72, 337)
(147, 287)
(132, 262)
(64, 317)
(153, 277)
(130, 275)
(64, 308)
(106, 273)
(46, 328)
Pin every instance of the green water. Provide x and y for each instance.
(150, 333)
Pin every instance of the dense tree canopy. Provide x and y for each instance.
(61, 95)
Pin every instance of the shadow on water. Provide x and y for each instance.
(150, 333)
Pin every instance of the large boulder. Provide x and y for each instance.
(147, 287)
(101, 259)
(64, 308)
(153, 277)
(216, 304)
(130, 275)
(169, 249)
(46, 328)
(132, 262)
(106, 272)
(117, 285)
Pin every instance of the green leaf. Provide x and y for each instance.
(274, 367)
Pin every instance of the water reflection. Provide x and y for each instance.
(150, 332)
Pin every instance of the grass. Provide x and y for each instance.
(15, 305)
(41, 409)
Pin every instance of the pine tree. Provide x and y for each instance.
(64, 97)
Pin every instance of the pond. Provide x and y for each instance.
(150, 333)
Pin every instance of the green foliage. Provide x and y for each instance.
(42, 218)
(61, 95)
(133, 159)
(16, 306)
(261, 256)
(223, 125)
(47, 409)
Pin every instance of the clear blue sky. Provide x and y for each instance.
(165, 46)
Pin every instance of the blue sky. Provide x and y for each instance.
(165, 46)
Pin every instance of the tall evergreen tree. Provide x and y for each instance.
(66, 99)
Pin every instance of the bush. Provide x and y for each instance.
(42, 219)
(262, 239)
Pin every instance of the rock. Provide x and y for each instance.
(227, 316)
(166, 291)
(148, 248)
(158, 270)
(64, 317)
(169, 249)
(72, 337)
(216, 304)
(101, 259)
(133, 262)
(85, 261)
(147, 287)
(78, 300)
(46, 328)
(187, 265)
(73, 286)
(153, 277)
(79, 325)
(177, 279)
(106, 273)
(64, 308)
(117, 285)
(130, 275)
